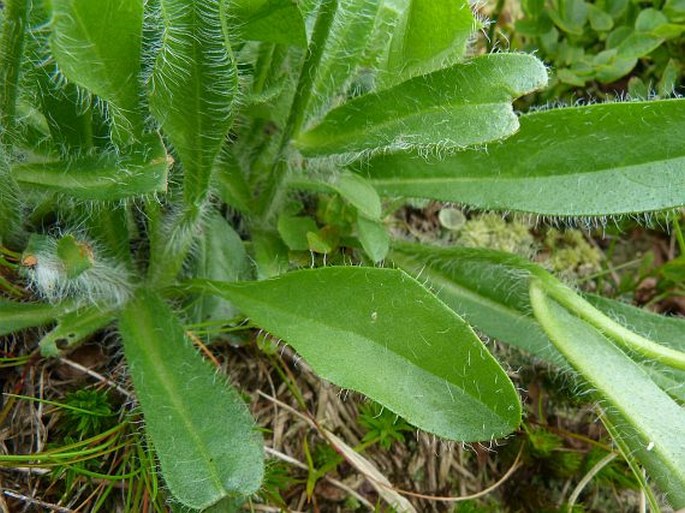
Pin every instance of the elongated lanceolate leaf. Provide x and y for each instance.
(432, 34)
(488, 288)
(17, 316)
(200, 428)
(97, 45)
(273, 21)
(73, 327)
(344, 52)
(193, 87)
(463, 105)
(379, 332)
(654, 423)
(108, 176)
(604, 159)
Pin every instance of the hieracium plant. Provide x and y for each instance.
(159, 163)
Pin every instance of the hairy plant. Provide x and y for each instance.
(153, 160)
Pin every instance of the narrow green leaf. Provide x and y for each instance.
(15, 14)
(97, 45)
(18, 316)
(10, 205)
(193, 87)
(379, 332)
(490, 290)
(606, 159)
(339, 67)
(273, 21)
(200, 427)
(463, 105)
(431, 35)
(108, 176)
(648, 416)
(73, 327)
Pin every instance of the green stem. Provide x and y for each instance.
(11, 48)
(606, 325)
(679, 234)
(272, 196)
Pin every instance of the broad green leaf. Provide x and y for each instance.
(73, 327)
(97, 45)
(18, 316)
(570, 16)
(463, 105)
(193, 87)
(374, 238)
(107, 176)
(200, 428)
(379, 332)
(270, 253)
(648, 416)
(606, 159)
(675, 10)
(273, 21)
(600, 20)
(353, 188)
(432, 34)
(488, 288)
(220, 255)
(344, 52)
(294, 229)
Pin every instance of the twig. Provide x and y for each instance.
(588, 477)
(37, 502)
(97, 376)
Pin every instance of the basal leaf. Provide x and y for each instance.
(379, 332)
(73, 327)
(18, 316)
(431, 35)
(653, 421)
(273, 21)
(107, 176)
(463, 105)
(193, 87)
(97, 45)
(488, 288)
(200, 428)
(603, 159)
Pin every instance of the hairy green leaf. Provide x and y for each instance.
(379, 332)
(653, 421)
(11, 46)
(273, 21)
(431, 35)
(97, 45)
(200, 427)
(107, 176)
(463, 105)
(343, 54)
(10, 206)
(73, 327)
(193, 87)
(488, 288)
(596, 160)
(18, 316)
